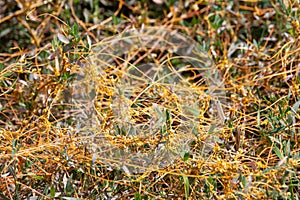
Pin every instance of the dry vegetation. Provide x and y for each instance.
(46, 148)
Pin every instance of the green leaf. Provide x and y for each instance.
(278, 153)
(137, 196)
(296, 107)
(282, 5)
(115, 19)
(194, 112)
(287, 148)
(75, 29)
(38, 177)
(162, 116)
(186, 186)
(255, 43)
(211, 129)
(52, 191)
(274, 139)
(186, 156)
(277, 130)
(243, 180)
(168, 117)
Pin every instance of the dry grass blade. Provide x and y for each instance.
(149, 99)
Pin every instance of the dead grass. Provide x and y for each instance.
(48, 149)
